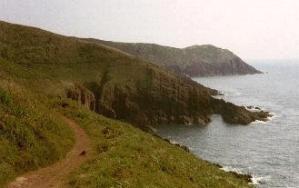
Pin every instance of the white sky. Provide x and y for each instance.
(254, 29)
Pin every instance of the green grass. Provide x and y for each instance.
(37, 68)
(128, 157)
(31, 136)
(136, 91)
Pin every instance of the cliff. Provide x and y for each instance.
(114, 84)
(194, 61)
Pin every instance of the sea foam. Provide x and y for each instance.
(260, 180)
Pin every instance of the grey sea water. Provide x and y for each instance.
(268, 151)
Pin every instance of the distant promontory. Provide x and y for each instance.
(194, 61)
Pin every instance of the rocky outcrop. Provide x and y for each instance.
(82, 95)
(194, 61)
(237, 115)
(160, 99)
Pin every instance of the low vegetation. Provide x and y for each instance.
(128, 157)
(31, 136)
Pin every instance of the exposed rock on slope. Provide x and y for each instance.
(116, 85)
(82, 95)
(204, 60)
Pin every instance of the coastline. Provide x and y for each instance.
(250, 179)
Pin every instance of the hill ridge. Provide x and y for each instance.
(194, 60)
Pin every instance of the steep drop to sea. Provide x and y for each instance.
(266, 150)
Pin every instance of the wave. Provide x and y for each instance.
(273, 116)
(232, 93)
(269, 119)
(232, 169)
(257, 180)
(258, 122)
(173, 142)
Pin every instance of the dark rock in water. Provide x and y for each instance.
(183, 147)
(185, 120)
(238, 115)
(246, 177)
(250, 107)
(217, 165)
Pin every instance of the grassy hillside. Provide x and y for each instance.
(31, 135)
(198, 60)
(112, 83)
(43, 74)
(128, 157)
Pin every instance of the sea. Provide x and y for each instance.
(268, 151)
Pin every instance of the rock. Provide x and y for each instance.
(21, 179)
(185, 120)
(82, 95)
(19, 182)
(238, 115)
(246, 177)
(83, 153)
(202, 122)
(250, 107)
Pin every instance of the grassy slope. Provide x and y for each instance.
(46, 64)
(128, 157)
(31, 135)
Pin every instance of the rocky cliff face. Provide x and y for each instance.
(208, 60)
(158, 99)
(194, 61)
(82, 95)
(109, 82)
